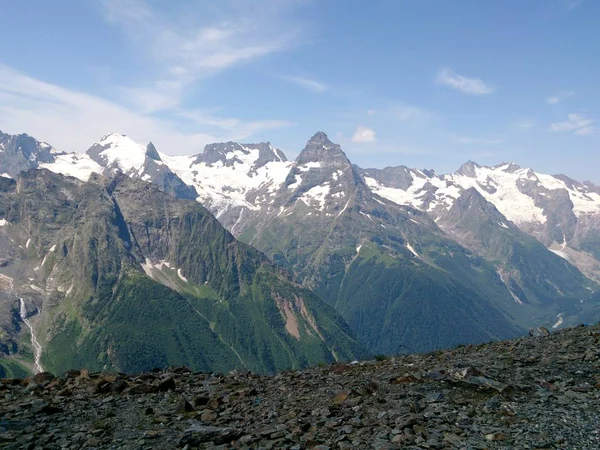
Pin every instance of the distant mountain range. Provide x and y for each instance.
(410, 259)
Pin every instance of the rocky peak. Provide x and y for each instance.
(23, 152)
(323, 175)
(508, 167)
(216, 152)
(469, 169)
(266, 153)
(319, 149)
(152, 153)
(472, 197)
(473, 205)
(230, 153)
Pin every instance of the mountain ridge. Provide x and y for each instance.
(237, 192)
(332, 223)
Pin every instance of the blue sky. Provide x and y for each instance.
(425, 83)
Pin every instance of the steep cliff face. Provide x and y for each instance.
(117, 274)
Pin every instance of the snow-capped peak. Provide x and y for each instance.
(119, 152)
(521, 194)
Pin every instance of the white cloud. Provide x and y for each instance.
(471, 86)
(371, 112)
(474, 140)
(307, 83)
(559, 97)
(72, 120)
(576, 123)
(187, 46)
(363, 134)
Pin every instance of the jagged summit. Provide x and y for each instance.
(508, 167)
(468, 169)
(22, 152)
(231, 153)
(472, 202)
(320, 149)
(320, 136)
(152, 153)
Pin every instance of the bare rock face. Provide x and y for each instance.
(22, 152)
(485, 396)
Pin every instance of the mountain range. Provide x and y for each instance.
(409, 259)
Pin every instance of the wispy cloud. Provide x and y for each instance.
(363, 134)
(406, 113)
(307, 83)
(235, 129)
(559, 97)
(471, 86)
(184, 49)
(573, 4)
(475, 140)
(585, 131)
(69, 119)
(576, 123)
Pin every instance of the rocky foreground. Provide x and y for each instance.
(534, 392)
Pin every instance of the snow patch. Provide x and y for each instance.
(309, 165)
(343, 209)
(123, 152)
(316, 195)
(367, 215)
(296, 183)
(76, 165)
(412, 250)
